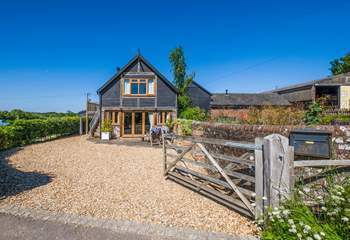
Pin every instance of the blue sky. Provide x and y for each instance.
(53, 52)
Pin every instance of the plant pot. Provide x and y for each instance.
(105, 135)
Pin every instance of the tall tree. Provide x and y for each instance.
(341, 65)
(181, 79)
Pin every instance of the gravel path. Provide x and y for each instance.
(73, 175)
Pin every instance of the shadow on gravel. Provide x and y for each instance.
(14, 181)
(132, 142)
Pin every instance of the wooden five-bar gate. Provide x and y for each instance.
(246, 177)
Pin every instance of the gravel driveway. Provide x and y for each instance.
(74, 175)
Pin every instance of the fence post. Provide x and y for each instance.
(81, 126)
(259, 178)
(278, 167)
(164, 154)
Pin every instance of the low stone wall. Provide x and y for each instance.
(248, 133)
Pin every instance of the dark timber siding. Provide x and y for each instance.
(199, 97)
(111, 96)
(165, 96)
(147, 102)
(300, 95)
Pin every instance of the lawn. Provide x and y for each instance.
(114, 181)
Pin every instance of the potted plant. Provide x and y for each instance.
(106, 130)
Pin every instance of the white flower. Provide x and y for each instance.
(322, 234)
(323, 208)
(276, 212)
(299, 235)
(306, 189)
(285, 212)
(307, 228)
(317, 237)
(319, 197)
(290, 221)
(345, 219)
(292, 230)
(309, 238)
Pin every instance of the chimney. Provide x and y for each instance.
(118, 69)
(226, 91)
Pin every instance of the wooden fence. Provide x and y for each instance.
(335, 111)
(246, 177)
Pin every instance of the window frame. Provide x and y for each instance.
(138, 81)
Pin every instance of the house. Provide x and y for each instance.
(137, 97)
(237, 105)
(199, 96)
(334, 92)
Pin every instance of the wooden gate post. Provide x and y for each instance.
(278, 167)
(259, 179)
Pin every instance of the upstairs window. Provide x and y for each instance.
(139, 87)
(150, 86)
(126, 86)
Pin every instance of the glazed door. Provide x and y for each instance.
(127, 123)
(133, 124)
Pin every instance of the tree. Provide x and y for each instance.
(341, 65)
(181, 79)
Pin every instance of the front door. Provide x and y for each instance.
(133, 124)
(127, 122)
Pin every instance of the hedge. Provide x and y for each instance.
(23, 132)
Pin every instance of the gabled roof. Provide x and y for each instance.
(136, 58)
(248, 99)
(201, 87)
(337, 80)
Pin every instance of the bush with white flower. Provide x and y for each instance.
(326, 218)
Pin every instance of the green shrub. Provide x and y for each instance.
(328, 220)
(275, 116)
(328, 119)
(106, 126)
(335, 119)
(185, 126)
(170, 124)
(17, 114)
(194, 113)
(313, 114)
(23, 132)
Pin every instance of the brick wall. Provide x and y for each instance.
(247, 133)
(239, 114)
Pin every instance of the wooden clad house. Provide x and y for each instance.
(200, 97)
(333, 90)
(137, 97)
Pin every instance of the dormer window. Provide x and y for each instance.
(139, 87)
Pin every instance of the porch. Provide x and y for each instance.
(135, 123)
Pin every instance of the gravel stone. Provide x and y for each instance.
(108, 181)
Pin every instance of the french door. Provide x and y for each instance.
(137, 123)
(133, 124)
